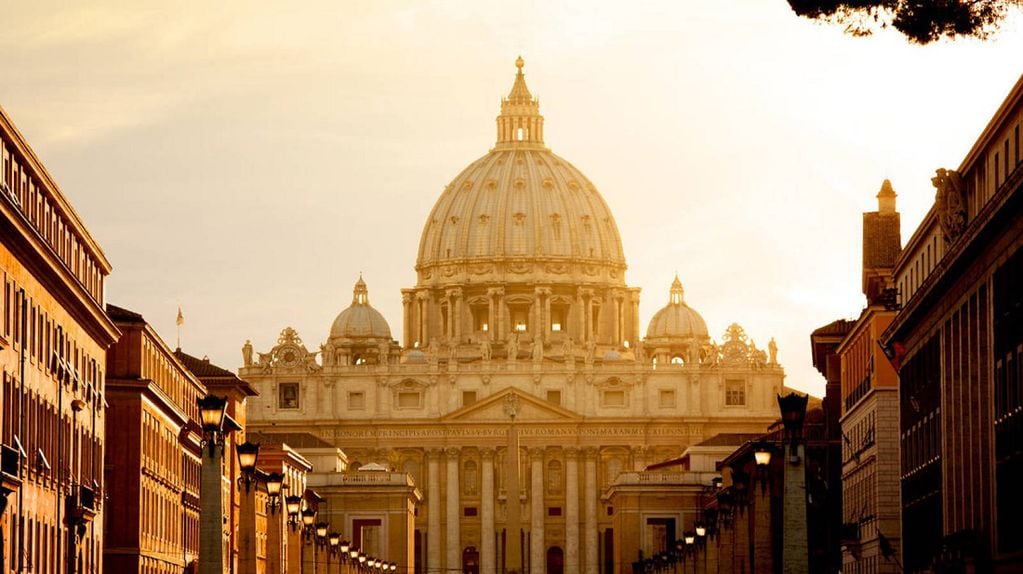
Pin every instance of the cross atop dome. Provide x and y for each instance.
(520, 123)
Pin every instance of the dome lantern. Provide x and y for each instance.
(520, 123)
(676, 291)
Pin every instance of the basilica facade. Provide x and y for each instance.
(522, 385)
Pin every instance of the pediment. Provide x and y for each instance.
(528, 409)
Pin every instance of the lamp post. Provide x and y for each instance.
(308, 515)
(212, 410)
(795, 550)
(276, 531)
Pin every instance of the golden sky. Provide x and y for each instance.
(247, 160)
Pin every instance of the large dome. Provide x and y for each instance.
(676, 321)
(360, 320)
(520, 209)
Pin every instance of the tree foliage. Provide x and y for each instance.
(921, 21)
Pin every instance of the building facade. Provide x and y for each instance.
(958, 343)
(53, 343)
(154, 459)
(523, 386)
(870, 405)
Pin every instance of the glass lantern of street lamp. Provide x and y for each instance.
(211, 413)
(690, 538)
(353, 553)
(334, 539)
(294, 505)
(248, 452)
(393, 566)
(371, 562)
(362, 558)
(701, 529)
(321, 529)
(344, 546)
(274, 484)
(793, 412)
(308, 517)
(762, 454)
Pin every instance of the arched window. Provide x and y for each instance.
(677, 360)
(520, 134)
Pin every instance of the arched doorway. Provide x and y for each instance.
(470, 561)
(555, 560)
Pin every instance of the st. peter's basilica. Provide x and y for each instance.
(520, 330)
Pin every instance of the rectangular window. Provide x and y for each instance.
(470, 511)
(356, 400)
(735, 393)
(554, 397)
(410, 400)
(553, 511)
(613, 399)
(288, 393)
(1016, 136)
(667, 398)
(468, 398)
(997, 172)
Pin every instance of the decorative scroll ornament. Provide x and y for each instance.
(950, 203)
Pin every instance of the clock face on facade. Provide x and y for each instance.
(289, 356)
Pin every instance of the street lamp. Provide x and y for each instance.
(274, 484)
(211, 414)
(762, 454)
(248, 452)
(793, 413)
(293, 504)
(321, 530)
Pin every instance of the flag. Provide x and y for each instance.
(181, 318)
(895, 352)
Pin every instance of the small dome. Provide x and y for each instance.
(677, 320)
(360, 320)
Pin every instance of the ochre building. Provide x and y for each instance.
(53, 345)
(521, 348)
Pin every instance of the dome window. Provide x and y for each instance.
(480, 318)
(519, 313)
(520, 134)
(677, 360)
(559, 316)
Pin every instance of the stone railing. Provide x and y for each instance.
(665, 478)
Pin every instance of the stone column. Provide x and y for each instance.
(590, 526)
(424, 318)
(794, 548)
(571, 510)
(406, 309)
(763, 549)
(547, 314)
(453, 541)
(635, 317)
(456, 312)
(488, 556)
(275, 541)
(614, 299)
(211, 512)
(247, 530)
(433, 510)
(537, 547)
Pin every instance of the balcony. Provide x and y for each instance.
(10, 460)
(81, 505)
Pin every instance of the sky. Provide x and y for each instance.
(247, 160)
